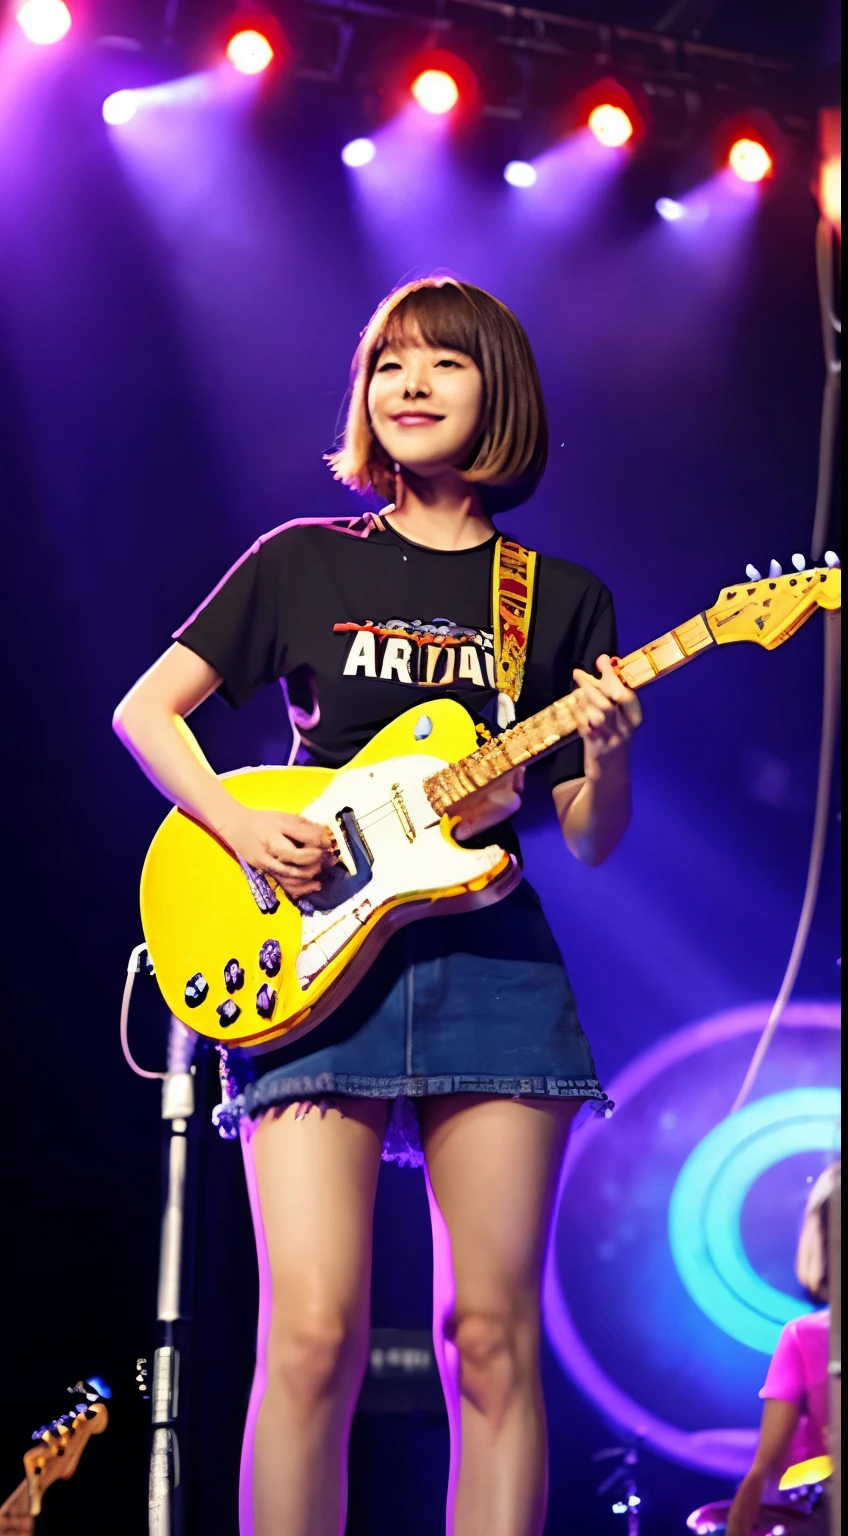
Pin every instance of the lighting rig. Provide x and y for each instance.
(539, 74)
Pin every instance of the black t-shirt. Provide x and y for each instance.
(358, 623)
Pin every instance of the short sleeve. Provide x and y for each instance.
(237, 630)
(595, 636)
(785, 1377)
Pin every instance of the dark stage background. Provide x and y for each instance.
(179, 302)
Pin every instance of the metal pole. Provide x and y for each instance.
(834, 1276)
(164, 1502)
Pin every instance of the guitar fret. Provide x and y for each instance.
(556, 724)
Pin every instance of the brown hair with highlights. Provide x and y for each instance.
(509, 458)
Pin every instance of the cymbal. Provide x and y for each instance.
(775, 1520)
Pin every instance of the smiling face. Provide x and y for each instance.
(426, 405)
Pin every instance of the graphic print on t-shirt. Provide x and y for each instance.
(433, 653)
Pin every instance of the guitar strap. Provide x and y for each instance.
(513, 590)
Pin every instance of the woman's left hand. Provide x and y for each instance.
(607, 714)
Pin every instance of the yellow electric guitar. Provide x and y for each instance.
(242, 964)
(55, 1454)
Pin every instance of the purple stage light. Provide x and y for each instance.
(120, 107)
(669, 209)
(359, 152)
(44, 21)
(519, 173)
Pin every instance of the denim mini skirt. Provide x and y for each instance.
(477, 1002)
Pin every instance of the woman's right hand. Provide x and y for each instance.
(295, 851)
(745, 1508)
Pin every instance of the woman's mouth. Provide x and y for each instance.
(416, 419)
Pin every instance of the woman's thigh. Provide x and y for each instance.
(315, 1172)
(493, 1165)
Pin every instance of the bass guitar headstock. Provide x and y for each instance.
(768, 610)
(59, 1445)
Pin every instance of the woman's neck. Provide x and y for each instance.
(444, 512)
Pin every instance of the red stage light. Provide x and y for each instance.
(249, 51)
(612, 126)
(750, 160)
(436, 91)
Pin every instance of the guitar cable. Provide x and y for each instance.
(134, 965)
(827, 255)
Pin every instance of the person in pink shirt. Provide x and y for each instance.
(795, 1413)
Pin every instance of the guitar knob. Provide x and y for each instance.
(228, 1012)
(196, 990)
(233, 976)
(799, 562)
(775, 568)
(270, 957)
(752, 573)
(266, 999)
(831, 559)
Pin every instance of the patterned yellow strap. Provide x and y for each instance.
(513, 588)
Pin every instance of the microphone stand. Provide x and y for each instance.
(166, 1482)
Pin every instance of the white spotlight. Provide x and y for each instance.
(359, 152)
(120, 107)
(44, 21)
(520, 174)
(668, 209)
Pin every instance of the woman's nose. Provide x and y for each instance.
(414, 386)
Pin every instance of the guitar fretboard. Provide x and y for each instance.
(554, 726)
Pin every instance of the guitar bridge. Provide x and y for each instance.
(402, 813)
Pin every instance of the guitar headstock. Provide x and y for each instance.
(60, 1444)
(768, 610)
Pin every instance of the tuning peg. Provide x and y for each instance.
(752, 573)
(775, 568)
(799, 562)
(830, 558)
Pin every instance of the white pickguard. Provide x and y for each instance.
(410, 852)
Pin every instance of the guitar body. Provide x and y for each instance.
(252, 978)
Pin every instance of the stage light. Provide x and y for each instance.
(44, 21)
(670, 210)
(436, 91)
(249, 51)
(359, 152)
(750, 160)
(520, 174)
(611, 125)
(120, 107)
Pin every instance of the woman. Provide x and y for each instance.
(795, 1408)
(470, 1018)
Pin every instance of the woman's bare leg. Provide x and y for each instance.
(313, 1179)
(492, 1167)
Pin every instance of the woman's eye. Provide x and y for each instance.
(448, 362)
(387, 367)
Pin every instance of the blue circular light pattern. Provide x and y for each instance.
(706, 1208)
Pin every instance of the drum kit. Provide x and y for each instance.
(804, 1512)
(775, 1520)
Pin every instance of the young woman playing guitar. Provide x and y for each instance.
(468, 1019)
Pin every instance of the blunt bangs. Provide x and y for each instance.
(509, 458)
(440, 317)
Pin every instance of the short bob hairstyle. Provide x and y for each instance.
(509, 457)
(811, 1259)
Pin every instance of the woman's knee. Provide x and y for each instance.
(497, 1348)
(315, 1353)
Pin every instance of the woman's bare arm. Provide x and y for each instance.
(779, 1423)
(150, 722)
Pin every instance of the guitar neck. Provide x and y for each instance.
(556, 725)
(17, 1502)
